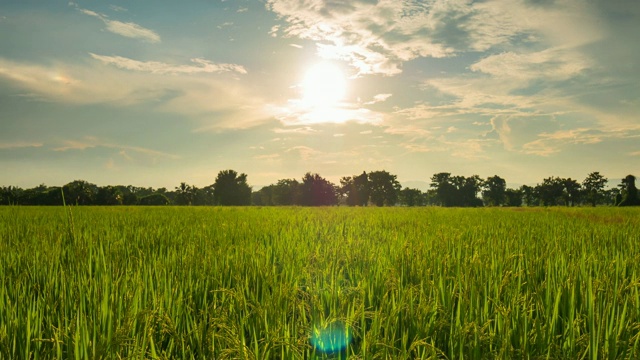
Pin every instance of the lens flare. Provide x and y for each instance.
(331, 338)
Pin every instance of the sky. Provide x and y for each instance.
(156, 92)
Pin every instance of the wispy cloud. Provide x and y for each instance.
(90, 142)
(295, 114)
(304, 152)
(378, 98)
(554, 64)
(19, 144)
(155, 67)
(126, 29)
(117, 8)
(306, 130)
(213, 102)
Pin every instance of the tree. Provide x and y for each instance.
(317, 191)
(356, 188)
(79, 192)
(108, 195)
(185, 194)
(571, 192)
(456, 190)
(593, 188)
(231, 188)
(286, 192)
(494, 193)
(472, 185)
(383, 188)
(412, 197)
(630, 197)
(445, 191)
(263, 197)
(529, 195)
(204, 196)
(513, 197)
(551, 191)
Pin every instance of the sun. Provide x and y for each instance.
(324, 86)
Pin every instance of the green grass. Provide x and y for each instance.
(258, 283)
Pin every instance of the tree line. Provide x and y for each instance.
(376, 188)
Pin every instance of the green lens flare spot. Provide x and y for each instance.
(331, 338)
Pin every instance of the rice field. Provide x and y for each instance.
(319, 283)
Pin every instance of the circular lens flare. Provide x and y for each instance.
(332, 338)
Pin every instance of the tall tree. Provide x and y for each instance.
(356, 188)
(231, 188)
(445, 191)
(593, 187)
(630, 197)
(384, 188)
(470, 189)
(494, 193)
(572, 191)
(317, 191)
(551, 191)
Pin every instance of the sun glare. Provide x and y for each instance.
(323, 86)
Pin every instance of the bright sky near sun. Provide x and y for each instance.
(155, 92)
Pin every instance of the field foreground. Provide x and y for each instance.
(293, 283)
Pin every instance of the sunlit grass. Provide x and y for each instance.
(256, 283)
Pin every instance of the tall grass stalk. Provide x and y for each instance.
(255, 283)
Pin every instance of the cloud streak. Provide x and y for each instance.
(90, 142)
(155, 67)
(126, 29)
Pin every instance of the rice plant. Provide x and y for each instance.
(325, 283)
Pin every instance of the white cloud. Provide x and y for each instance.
(126, 29)
(378, 98)
(550, 143)
(378, 37)
(155, 67)
(554, 64)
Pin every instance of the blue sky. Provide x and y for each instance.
(153, 93)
